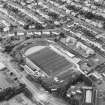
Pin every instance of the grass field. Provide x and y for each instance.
(50, 62)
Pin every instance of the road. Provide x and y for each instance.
(54, 8)
(26, 11)
(3, 16)
(10, 19)
(39, 95)
(84, 35)
(63, 12)
(33, 32)
(89, 43)
(71, 50)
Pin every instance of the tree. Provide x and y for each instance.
(53, 15)
(61, 35)
(10, 92)
(89, 15)
(38, 26)
(104, 25)
(28, 93)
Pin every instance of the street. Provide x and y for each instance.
(39, 95)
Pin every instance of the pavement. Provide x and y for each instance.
(63, 12)
(26, 11)
(8, 17)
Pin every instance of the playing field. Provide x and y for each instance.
(50, 62)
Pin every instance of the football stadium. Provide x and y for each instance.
(51, 61)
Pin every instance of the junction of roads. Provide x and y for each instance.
(52, 52)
